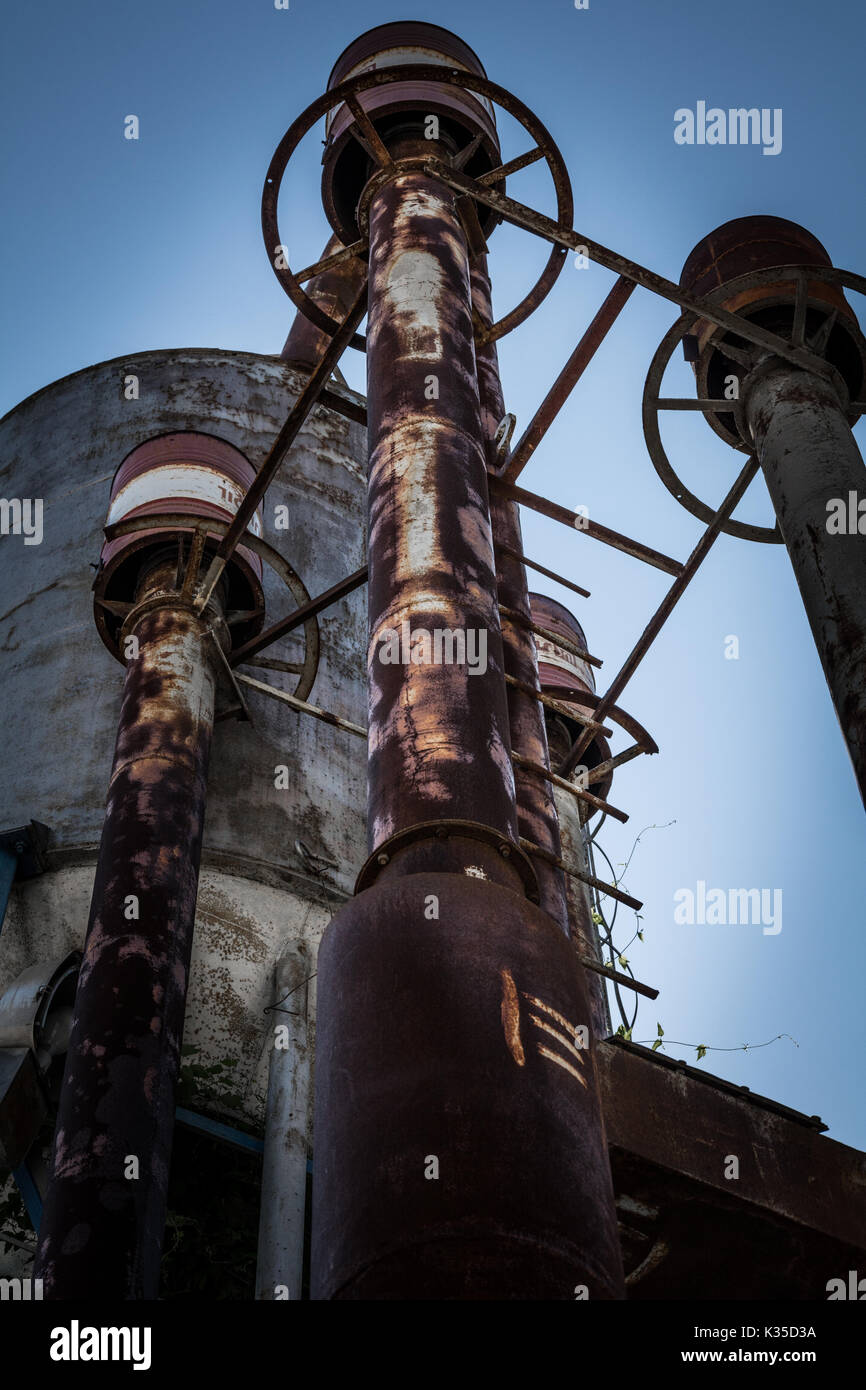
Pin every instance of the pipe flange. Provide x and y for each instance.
(443, 829)
(421, 73)
(280, 566)
(650, 408)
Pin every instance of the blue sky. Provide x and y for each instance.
(112, 246)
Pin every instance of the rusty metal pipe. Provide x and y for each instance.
(536, 798)
(438, 733)
(102, 1227)
(810, 459)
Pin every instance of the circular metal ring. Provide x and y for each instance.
(742, 529)
(752, 280)
(422, 73)
(293, 582)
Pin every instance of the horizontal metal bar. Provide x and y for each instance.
(608, 889)
(579, 793)
(521, 162)
(567, 379)
(619, 978)
(300, 616)
(283, 442)
(513, 615)
(522, 216)
(559, 706)
(600, 771)
(302, 706)
(542, 569)
(666, 607)
(581, 523)
(351, 409)
(267, 663)
(356, 249)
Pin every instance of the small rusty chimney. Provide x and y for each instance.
(798, 424)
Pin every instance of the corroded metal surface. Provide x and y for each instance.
(536, 807)
(104, 1213)
(731, 267)
(333, 291)
(462, 116)
(438, 732)
(452, 1093)
(810, 459)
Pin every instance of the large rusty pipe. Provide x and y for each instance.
(438, 731)
(813, 469)
(459, 1151)
(102, 1226)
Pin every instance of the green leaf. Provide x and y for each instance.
(640, 936)
(702, 1051)
(656, 1045)
(660, 1030)
(623, 961)
(596, 918)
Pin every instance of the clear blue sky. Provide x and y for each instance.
(112, 246)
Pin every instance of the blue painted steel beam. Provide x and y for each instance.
(227, 1133)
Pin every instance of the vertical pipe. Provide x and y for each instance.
(438, 731)
(536, 808)
(809, 458)
(102, 1227)
(279, 1269)
(567, 902)
(460, 1152)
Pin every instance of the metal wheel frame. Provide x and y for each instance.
(362, 82)
(652, 404)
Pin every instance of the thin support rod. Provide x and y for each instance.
(522, 216)
(568, 378)
(346, 253)
(268, 471)
(598, 884)
(300, 616)
(303, 707)
(664, 610)
(542, 569)
(512, 167)
(578, 522)
(579, 793)
(619, 978)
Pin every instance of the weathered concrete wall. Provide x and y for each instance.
(60, 690)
